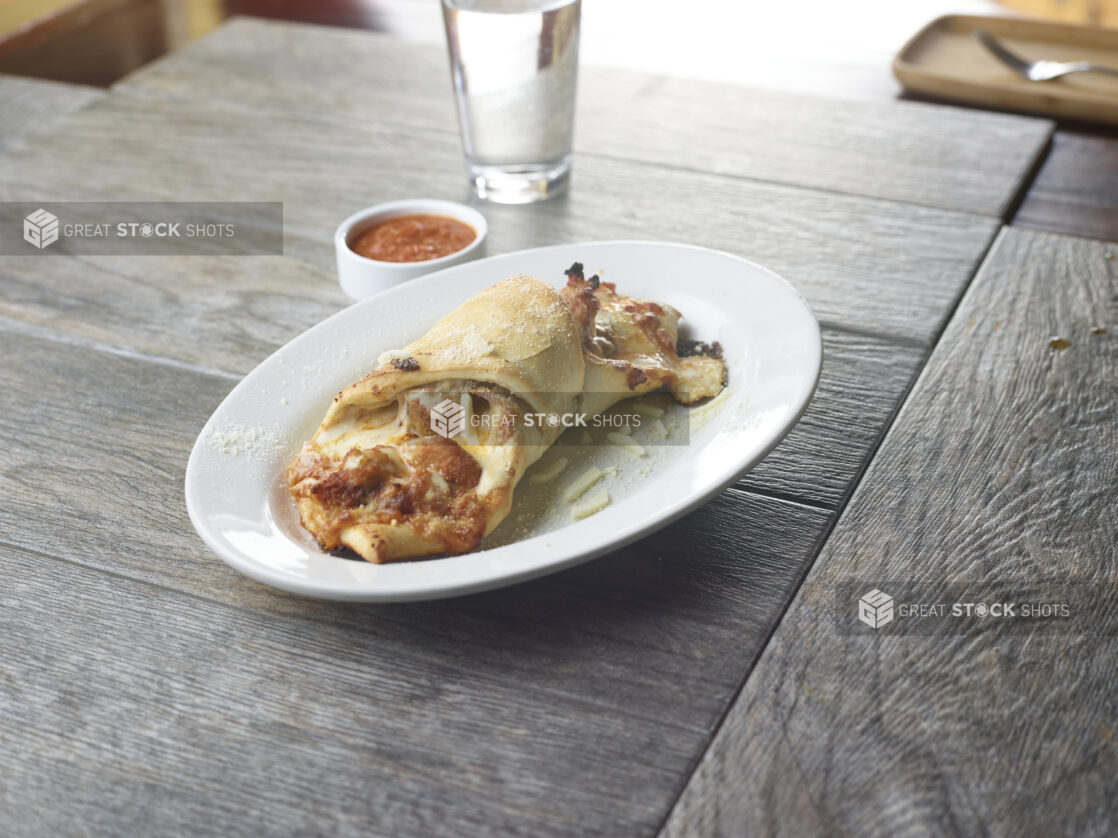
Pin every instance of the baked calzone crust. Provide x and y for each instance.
(385, 476)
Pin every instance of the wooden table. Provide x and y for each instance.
(695, 683)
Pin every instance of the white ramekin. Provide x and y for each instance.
(361, 277)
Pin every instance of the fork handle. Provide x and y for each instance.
(1099, 68)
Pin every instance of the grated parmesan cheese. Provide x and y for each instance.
(627, 442)
(595, 503)
(477, 344)
(549, 473)
(581, 485)
(650, 410)
(703, 413)
(242, 439)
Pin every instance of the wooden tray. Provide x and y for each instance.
(945, 60)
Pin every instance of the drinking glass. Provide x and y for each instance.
(515, 69)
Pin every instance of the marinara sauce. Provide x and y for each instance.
(413, 238)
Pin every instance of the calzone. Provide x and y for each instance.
(421, 456)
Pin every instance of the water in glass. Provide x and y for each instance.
(515, 66)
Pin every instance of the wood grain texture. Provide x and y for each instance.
(1076, 190)
(165, 692)
(528, 710)
(935, 156)
(294, 68)
(31, 105)
(1001, 471)
(220, 314)
(135, 710)
(863, 264)
(861, 387)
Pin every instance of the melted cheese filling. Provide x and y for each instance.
(387, 466)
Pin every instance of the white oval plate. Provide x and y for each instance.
(235, 488)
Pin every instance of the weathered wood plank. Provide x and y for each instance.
(1001, 471)
(634, 631)
(937, 156)
(295, 68)
(28, 106)
(864, 264)
(224, 314)
(128, 709)
(1076, 190)
(862, 384)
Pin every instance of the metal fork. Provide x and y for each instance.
(1038, 70)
